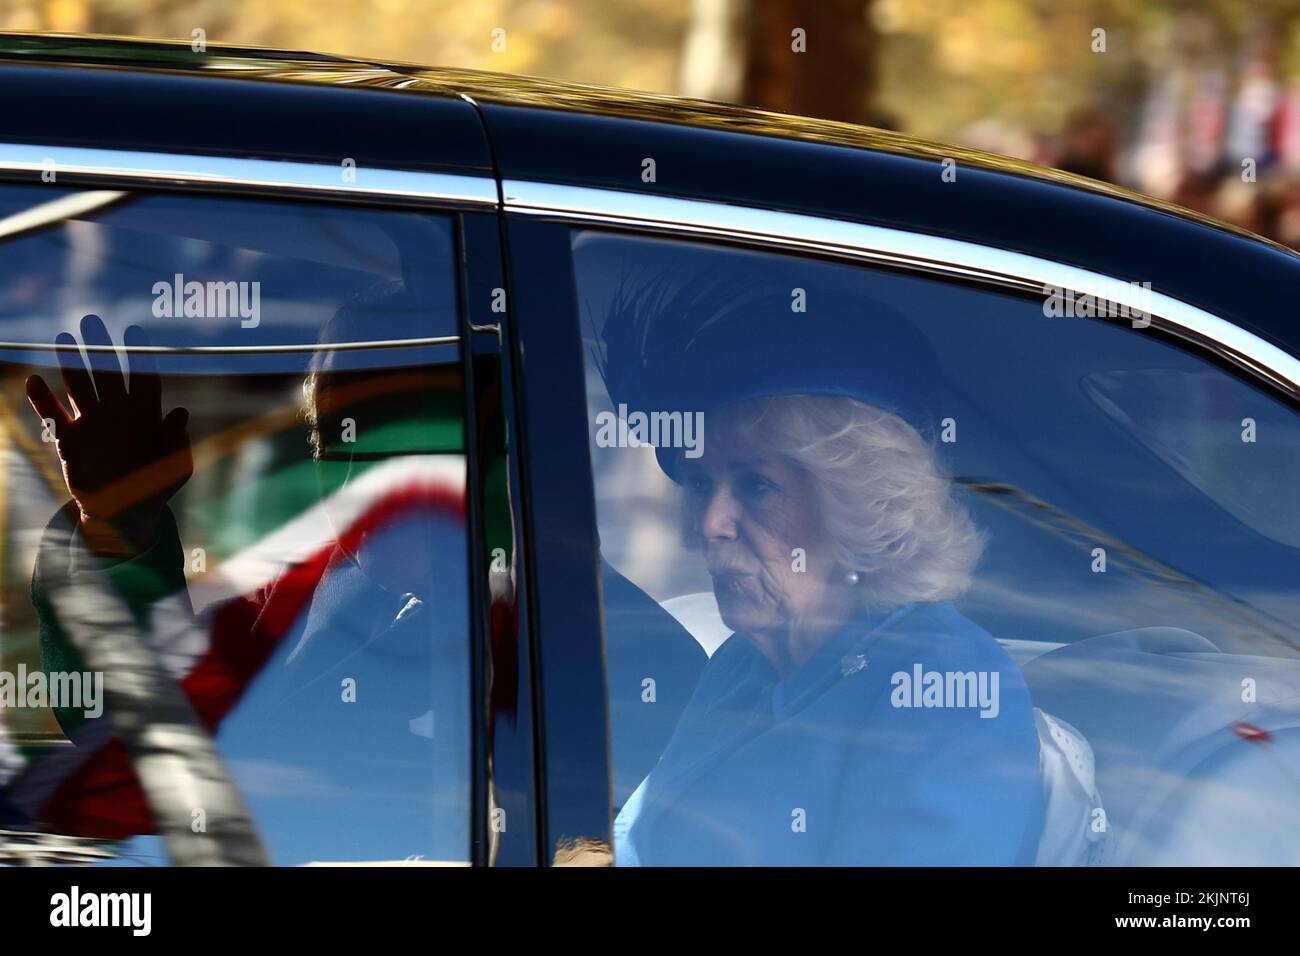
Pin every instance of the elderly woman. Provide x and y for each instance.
(855, 717)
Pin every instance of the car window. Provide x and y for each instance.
(256, 536)
(904, 571)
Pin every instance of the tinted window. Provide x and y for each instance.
(289, 551)
(974, 584)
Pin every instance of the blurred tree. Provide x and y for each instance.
(827, 70)
(712, 56)
(627, 43)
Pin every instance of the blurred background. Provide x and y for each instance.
(1196, 101)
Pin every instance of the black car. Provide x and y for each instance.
(991, 554)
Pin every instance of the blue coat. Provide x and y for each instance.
(826, 767)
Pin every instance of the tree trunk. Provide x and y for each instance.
(835, 76)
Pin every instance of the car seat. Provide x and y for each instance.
(1197, 752)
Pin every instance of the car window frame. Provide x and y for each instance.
(541, 218)
(471, 200)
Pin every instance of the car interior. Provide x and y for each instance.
(1145, 597)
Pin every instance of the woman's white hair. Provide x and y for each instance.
(882, 493)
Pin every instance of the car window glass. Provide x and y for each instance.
(923, 486)
(289, 550)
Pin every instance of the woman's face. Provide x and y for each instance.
(753, 510)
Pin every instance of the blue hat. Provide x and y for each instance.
(697, 346)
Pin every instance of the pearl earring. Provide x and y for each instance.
(852, 578)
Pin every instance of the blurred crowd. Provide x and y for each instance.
(1224, 142)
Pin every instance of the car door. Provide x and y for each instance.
(317, 651)
(1114, 427)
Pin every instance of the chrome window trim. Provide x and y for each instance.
(230, 349)
(192, 170)
(902, 249)
(134, 167)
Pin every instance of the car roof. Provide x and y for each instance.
(319, 108)
(226, 61)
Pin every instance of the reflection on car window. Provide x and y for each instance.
(234, 503)
(1196, 421)
(898, 571)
